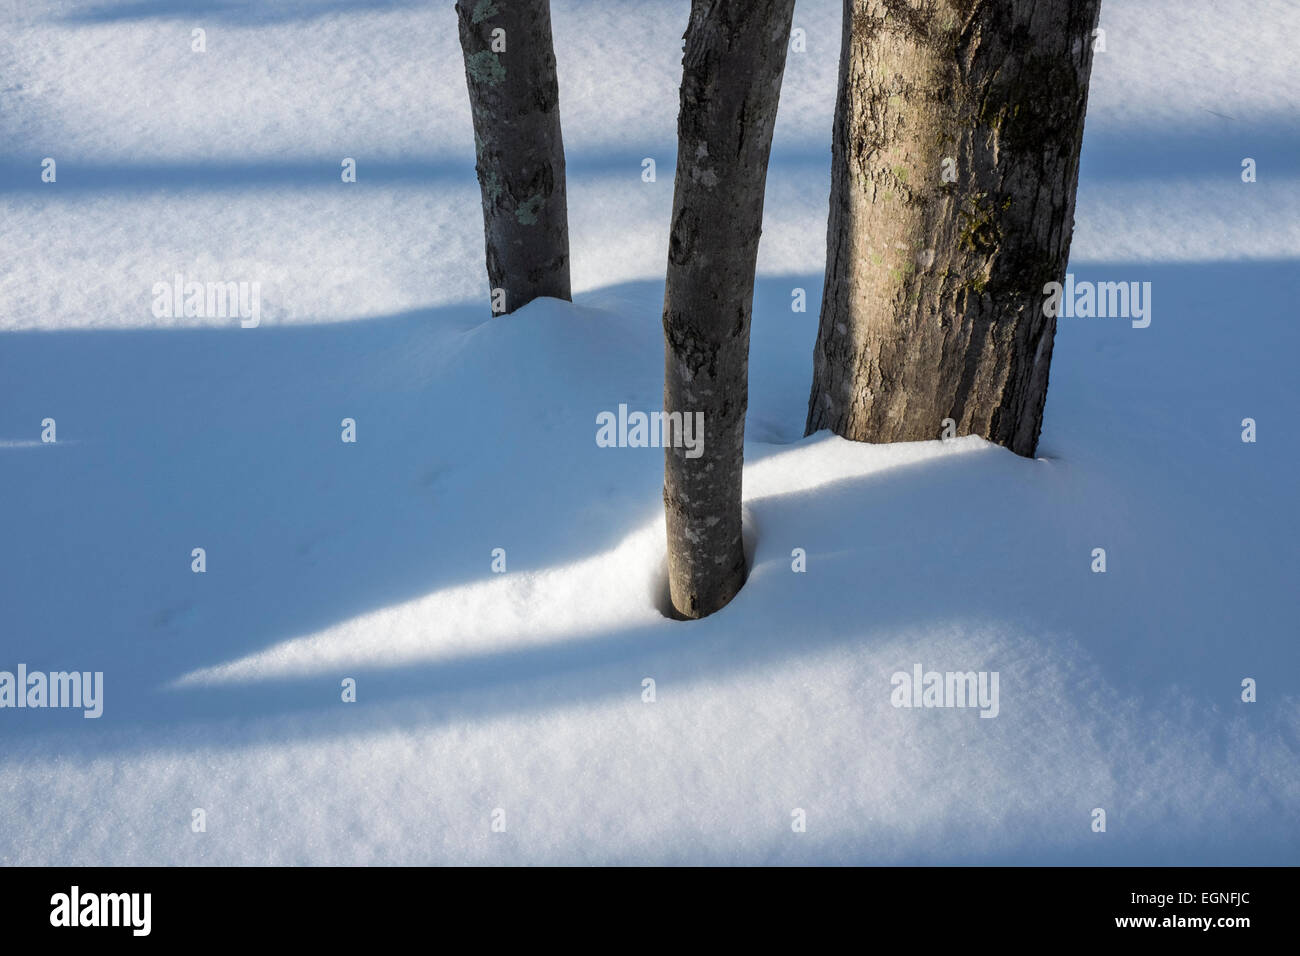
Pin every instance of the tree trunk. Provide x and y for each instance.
(514, 96)
(731, 82)
(955, 158)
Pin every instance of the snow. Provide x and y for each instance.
(522, 691)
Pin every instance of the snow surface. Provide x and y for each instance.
(523, 691)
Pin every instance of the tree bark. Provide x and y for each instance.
(514, 98)
(731, 82)
(955, 158)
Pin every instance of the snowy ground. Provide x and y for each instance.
(522, 691)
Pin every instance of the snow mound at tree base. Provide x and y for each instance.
(525, 691)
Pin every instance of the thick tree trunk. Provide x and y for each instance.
(514, 96)
(954, 163)
(731, 82)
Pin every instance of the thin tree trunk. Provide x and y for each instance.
(731, 82)
(955, 158)
(514, 97)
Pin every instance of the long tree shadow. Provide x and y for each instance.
(241, 12)
(21, 174)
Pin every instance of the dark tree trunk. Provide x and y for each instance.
(514, 96)
(933, 302)
(731, 82)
